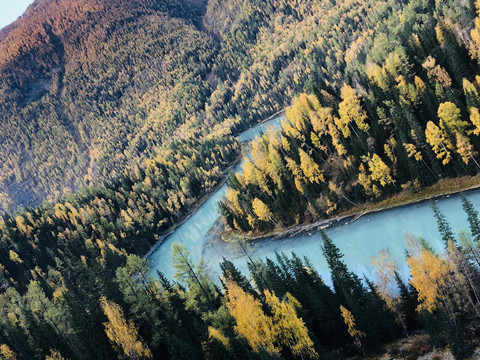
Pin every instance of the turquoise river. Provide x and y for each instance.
(359, 240)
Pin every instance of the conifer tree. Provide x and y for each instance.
(357, 335)
(472, 216)
(230, 272)
(443, 226)
(408, 303)
(290, 330)
(123, 334)
(251, 321)
(194, 275)
(344, 282)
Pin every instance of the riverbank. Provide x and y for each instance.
(196, 206)
(444, 187)
(205, 197)
(271, 117)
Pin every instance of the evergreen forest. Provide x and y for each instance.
(117, 117)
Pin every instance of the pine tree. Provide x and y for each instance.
(194, 276)
(408, 303)
(230, 272)
(344, 282)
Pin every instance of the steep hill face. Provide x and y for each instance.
(87, 87)
(91, 90)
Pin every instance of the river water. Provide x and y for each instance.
(358, 240)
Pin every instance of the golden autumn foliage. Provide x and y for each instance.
(251, 322)
(54, 355)
(261, 210)
(283, 329)
(437, 72)
(379, 170)
(350, 110)
(413, 152)
(7, 353)
(310, 168)
(465, 149)
(14, 257)
(290, 330)
(123, 334)
(439, 142)
(475, 34)
(217, 335)
(475, 120)
(429, 277)
(450, 117)
(349, 320)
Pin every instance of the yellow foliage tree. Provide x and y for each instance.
(310, 168)
(379, 171)
(439, 142)
(251, 322)
(364, 179)
(7, 353)
(54, 355)
(349, 320)
(413, 152)
(14, 257)
(123, 334)
(290, 329)
(475, 120)
(465, 149)
(437, 72)
(350, 110)
(262, 210)
(335, 134)
(217, 335)
(475, 34)
(450, 117)
(429, 277)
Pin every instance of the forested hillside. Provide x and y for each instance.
(123, 112)
(397, 111)
(94, 87)
(90, 87)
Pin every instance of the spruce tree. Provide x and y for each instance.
(344, 282)
(230, 271)
(472, 215)
(443, 226)
(408, 303)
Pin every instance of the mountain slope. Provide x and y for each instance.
(94, 86)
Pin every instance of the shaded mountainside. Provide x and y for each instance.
(91, 86)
